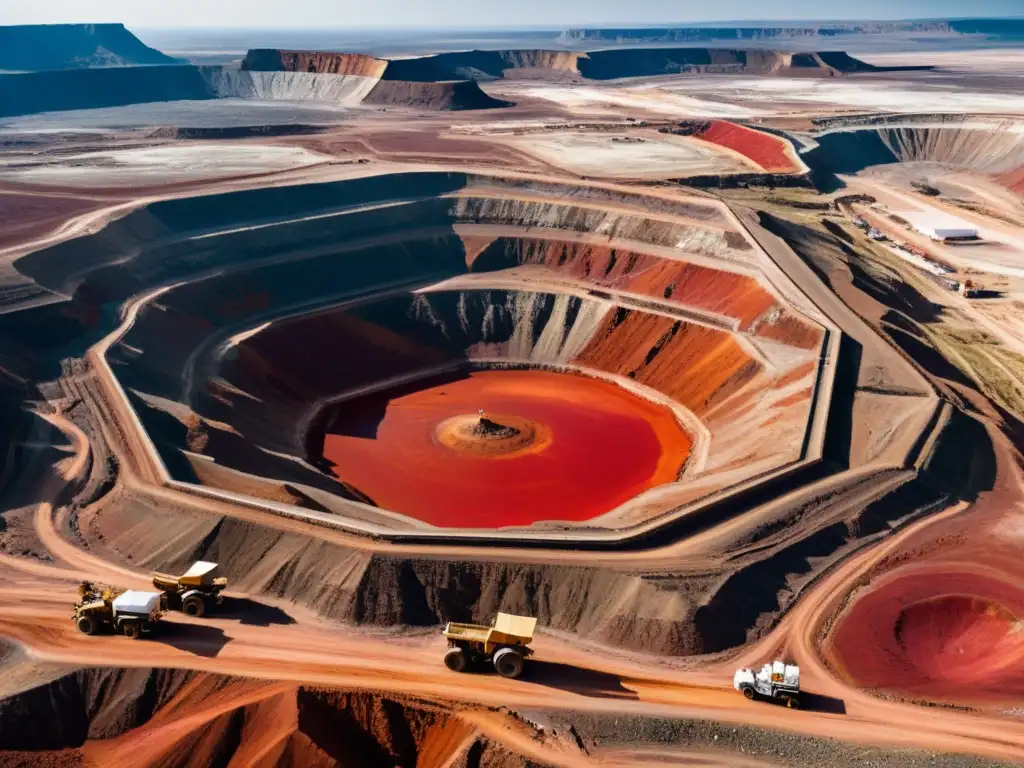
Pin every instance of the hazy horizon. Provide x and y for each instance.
(464, 14)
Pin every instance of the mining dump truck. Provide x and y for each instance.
(194, 592)
(778, 681)
(503, 645)
(131, 613)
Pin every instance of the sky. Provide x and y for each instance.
(474, 13)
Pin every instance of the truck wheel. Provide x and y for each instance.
(455, 660)
(748, 693)
(792, 702)
(131, 630)
(193, 606)
(508, 662)
(86, 625)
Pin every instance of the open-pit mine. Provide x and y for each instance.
(703, 354)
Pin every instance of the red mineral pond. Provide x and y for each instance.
(937, 634)
(555, 446)
(770, 152)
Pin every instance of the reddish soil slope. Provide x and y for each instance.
(654, 350)
(717, 291)
(769, 152)
(1014, 181)
(942, 634)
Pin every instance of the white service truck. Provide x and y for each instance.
(778, 681)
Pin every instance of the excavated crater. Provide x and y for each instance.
(946, 634)
(983, 145)
(325, 350)
(959, 637)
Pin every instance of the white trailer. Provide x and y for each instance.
(778, 681)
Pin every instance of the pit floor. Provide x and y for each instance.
(601, 446)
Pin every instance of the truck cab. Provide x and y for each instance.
(131, 613)
(778, 681)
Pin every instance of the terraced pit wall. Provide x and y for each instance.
(986, 147)
(558, 301)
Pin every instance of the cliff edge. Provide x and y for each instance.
(37, 47)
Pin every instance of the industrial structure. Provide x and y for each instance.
(940, 226)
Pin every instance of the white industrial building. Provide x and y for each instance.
(939, 226)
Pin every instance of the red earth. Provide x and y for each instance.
(766, 150)
(597, 446)
(940, 634)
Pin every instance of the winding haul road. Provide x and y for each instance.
(34, 611)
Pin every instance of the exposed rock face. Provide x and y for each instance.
(479, 65)
(73, 46)
(118, 716)
(269, 60)
(346, 90)
(995, 148)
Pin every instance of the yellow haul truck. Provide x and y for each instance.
(194, 592)
(505, 644)
(129, 612)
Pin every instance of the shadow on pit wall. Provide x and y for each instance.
(586, 682)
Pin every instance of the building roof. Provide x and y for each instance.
(938, 222)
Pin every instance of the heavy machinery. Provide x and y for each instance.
(503, 645)
(130, 612)
(194, 592)
(777, 681)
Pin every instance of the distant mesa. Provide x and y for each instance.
(593, 65)
(622, 36)
(39, 47)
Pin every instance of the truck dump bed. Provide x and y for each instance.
(507, 629)
(201, 574)
(472, 632)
